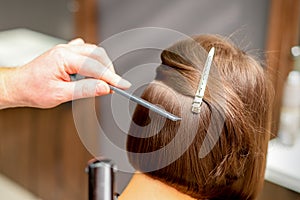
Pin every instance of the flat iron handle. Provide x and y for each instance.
(101, 174)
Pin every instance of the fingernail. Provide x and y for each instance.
(124, 83)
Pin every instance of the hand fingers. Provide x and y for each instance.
(95, 52)
(75, 63)
(85, 88)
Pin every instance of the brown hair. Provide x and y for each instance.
(232, 127)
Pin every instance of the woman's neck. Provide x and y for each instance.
(146, 188)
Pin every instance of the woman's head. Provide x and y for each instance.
(219, 153)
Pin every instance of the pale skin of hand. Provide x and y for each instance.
(45, 82)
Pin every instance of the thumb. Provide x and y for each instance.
(85, 88)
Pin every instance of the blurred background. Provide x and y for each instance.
(41, 155)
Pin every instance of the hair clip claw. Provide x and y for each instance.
(203, 81)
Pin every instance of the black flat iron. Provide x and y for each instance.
(101, 176)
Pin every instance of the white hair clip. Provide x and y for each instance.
(203, 81)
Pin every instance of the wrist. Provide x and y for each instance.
(10, 88)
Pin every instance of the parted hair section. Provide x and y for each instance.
(232, 128)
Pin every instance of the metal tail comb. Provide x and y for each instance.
(146, 104)
(142, 102)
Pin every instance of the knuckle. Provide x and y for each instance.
(94, 46)
(101, 51)
(61, 47)
(59, 50)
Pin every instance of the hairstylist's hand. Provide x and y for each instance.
(45, 81)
